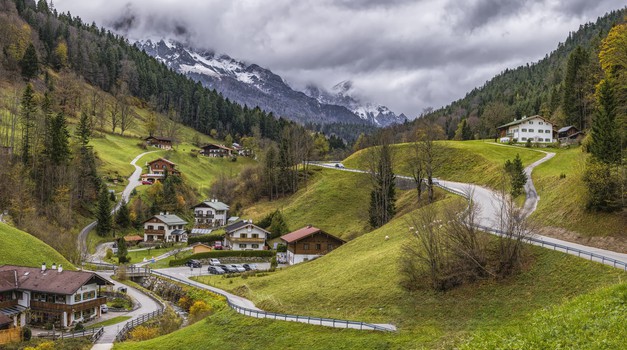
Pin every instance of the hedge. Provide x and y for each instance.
(205, 239)
(223, 253)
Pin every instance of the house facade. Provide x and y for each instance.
(210, 213)
(244, 235)
(309, 243)
(165, 227)
(41, 296)
(215, 150)
(158, 168)
(570, 134)
(159, 142)
(535, 128)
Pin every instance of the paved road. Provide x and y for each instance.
(490, 205)
(147, 305)
(133, 182)
(184, 273)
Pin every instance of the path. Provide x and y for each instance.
(133, 182)
(490, 205)
(147, 305)
(248, 308)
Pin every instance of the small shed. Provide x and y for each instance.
(201, 248)
(133, 240)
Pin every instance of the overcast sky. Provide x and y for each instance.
(405, 54)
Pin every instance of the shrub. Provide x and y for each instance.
(26, 333)
(79, 327)
(141, 333)
(109, 254)
(210, 238)
(199, 310)
(142, 145)
(528, 143)
(281, 248)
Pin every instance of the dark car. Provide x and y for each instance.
(216, 270)
(228, 268)
(193, 263)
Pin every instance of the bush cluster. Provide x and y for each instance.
(210, 238)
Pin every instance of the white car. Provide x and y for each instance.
(214, 262)
(104, 309)
(239, 268)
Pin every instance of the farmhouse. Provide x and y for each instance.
(309, 243)
(215, 150)
(42, 296)
(244, 235)
(569, 134)
(158, 168)
(165, 227)
(535, 129)
(210, 213)
(159, 142)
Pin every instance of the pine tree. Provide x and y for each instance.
(605, 145)
(518, 178)
(278, 226)
(30, 63)
(383, 195)
(60, 145)
(29, 110)
(576, 88)
(103, 213)
(83, 129)
(123, 216)
(122, 251)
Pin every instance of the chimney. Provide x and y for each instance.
(43, 267)
(60, 268)
(54, 266)
(309, 226)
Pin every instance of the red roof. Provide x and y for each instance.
(302, 233)
(133, 238)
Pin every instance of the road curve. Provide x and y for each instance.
(133, 182)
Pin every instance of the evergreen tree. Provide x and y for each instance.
(123, 216)
(29, 110)
(278, 226)
(29, 63)
(577, 88)
(59, 151)
(383, 195)
(605, 145)
(122, 251)
(103, 213)
(518, 178)
(466, 131)
(83, 129)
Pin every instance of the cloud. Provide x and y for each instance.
(406, 54)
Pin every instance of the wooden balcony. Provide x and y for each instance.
(154, 232)
(54, 307)
(8, 303)
(246, 240)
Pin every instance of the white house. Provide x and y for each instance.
(535, 128)
(244, 235)
(49, 296)
(165, 227)
(210, 213)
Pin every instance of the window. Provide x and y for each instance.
(77, 297)
(524, 139)
(89, 295)
(255, 235)
(524, 130)
(540, 123)
(161, 228)
(318, 247)
(255, 245)
(330, 246)
(530, 130)
(242, 246)
(151, 227)
(305, 246)
(243, 235)
(547, 140)
(530, 123)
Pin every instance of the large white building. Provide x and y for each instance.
(244, 235)
(165, 227)
(535, 128)
(210, 213)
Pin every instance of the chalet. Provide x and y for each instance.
(159, 142)
(309, 243)
(246, 152)
(210, 213)
(215, 150)
(535, 128)
(158, 168)
(49, 296)
(165, 227)
(244, 235)
(569, 134)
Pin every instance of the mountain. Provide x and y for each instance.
(342, 94)
(253, 85)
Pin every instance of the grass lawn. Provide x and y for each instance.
(20, 248)
(562, 200)
(109, 322)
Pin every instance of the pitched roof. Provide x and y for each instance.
(304, 232)
(241, 224)
(133, 238)
(159, 138)
(519, 121)
(53, 281)
(169, 219)
(8, 280)
(215, 145)
(163, 159)
(4, 320)
(197, 244)
(566, 128)
(215, 205)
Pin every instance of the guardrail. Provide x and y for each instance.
(123, 333)
(97, 266)
(329, 322)
(94, 334)
(556, 246)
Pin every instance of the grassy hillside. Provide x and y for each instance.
(476, 162)
(20, 248)
(562, 200)
(593, 321)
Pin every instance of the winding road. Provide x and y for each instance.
(133, 182)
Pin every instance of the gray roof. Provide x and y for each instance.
(52, 281)
(566, 128)
(171, 219)
(516, 122)
(178, 232)
(238, 225)
(214, 205)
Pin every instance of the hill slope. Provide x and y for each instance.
(20, 248)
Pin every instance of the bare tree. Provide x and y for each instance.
(383, 195)
(417, 169)
(427, 153)
(127, 116)
(114, 113)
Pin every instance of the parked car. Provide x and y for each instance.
(228, 268)
(193, 263)
(214, 262)
(339, 165)
(249, 267)
(216, 270)
(217, 245)
(104, 309)
(238, 267)
(146, 182)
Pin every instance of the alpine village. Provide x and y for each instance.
(141, 208)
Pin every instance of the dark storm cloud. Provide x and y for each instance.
(402, 53)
